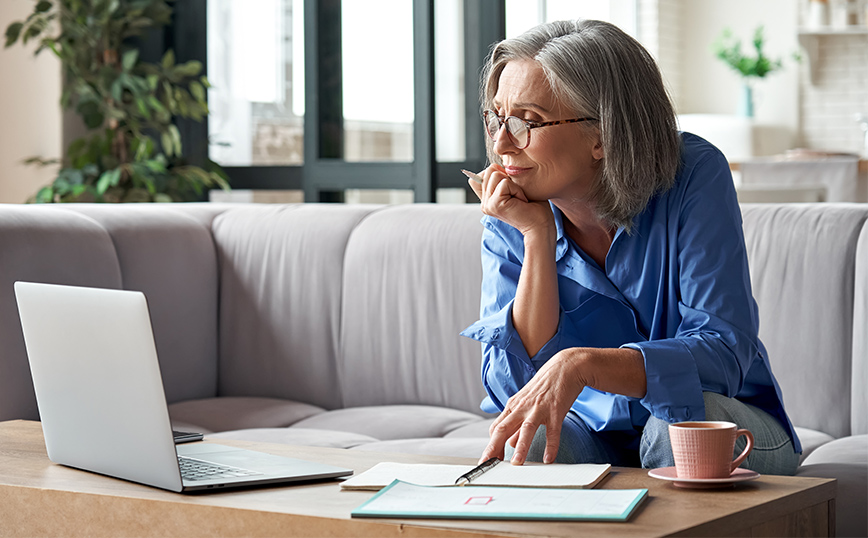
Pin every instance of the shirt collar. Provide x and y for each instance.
(561, 245)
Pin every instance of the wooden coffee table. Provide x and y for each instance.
(39, 498)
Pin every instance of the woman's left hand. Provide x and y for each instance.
(544, 400)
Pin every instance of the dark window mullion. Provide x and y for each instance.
(423, 83)
(323, 117)
(484, 24)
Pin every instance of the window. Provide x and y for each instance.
(377, 75)
(334, 97)
(256, 69)
(522, 15)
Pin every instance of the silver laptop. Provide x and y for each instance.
(101, 399)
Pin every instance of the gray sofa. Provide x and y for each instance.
(337, 325)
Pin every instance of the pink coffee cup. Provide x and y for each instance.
(704, 449)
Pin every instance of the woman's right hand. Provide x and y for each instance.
(504, 200)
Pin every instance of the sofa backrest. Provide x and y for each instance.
(281, 283)
(803, 271)
(165, 252)
(859, 385)
(341, 306)
(412, 278)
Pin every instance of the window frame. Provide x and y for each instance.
(324, 175)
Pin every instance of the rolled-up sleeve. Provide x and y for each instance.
(506, 366)
(716, 338)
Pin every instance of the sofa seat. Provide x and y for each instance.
(415, 429)
(411, 429)
(296, 436)
(811, 440)
(387, 422)
(467, 447)
(846, 460)
(852, 449)
(208, 415)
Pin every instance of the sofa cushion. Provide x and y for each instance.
(169, 256)
(466, 447)
(412, 280)
(859, 405)
(233, 413)
(852, 497)
(43, 244)
(802, 259)
(281, 273)
(811, 440)
(474, 429)
(391, 421)
(296, 436)
(853, 449)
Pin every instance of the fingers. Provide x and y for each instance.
(525, 437)
(553, 441)
(499, 433)
(476, 187)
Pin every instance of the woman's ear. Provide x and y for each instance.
(597, 150)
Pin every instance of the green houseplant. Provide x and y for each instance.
(751, 67)
(132, 152)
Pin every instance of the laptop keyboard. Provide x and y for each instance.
(194, 469)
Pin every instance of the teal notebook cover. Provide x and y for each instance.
(405, 500)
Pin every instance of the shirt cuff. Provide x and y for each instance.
(674, 391)
(497, 330)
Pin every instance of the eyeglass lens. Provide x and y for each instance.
(515, 128)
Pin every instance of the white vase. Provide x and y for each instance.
(818, 14)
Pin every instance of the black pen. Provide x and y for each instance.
(476, 471)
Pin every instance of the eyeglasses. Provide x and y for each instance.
(517, 128)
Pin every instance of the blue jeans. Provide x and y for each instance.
(772, 453)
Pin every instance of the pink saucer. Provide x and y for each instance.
(668, 473)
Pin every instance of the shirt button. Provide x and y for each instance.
(481, 333)
(496, 332)
(686, 412)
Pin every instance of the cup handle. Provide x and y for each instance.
(748, 447)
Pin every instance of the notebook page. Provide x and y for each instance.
(540, 475)
(382, 474)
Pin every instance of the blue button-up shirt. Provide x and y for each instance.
(676, 288)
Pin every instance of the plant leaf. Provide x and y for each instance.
(130, 58)
(176, 139)
(12, 33)
(197, 91)
(109, 178)
(168, 59)
(168, 145)
(45, 195)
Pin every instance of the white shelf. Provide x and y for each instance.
(809, 39)
(831, 30)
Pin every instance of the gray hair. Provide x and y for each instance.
(597, 70)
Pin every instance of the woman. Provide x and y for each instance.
(616, 296)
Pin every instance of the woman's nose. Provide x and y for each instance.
(502, 141)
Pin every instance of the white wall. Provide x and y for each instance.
(837, 94)
(707, 85)
(30, 111)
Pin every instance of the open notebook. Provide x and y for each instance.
(530, 475)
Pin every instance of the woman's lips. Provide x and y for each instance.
(515, 170)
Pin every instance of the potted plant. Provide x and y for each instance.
(750, 67)
(132, 152)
